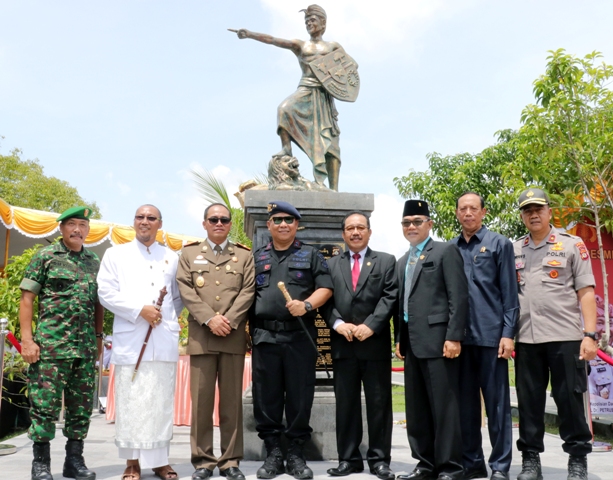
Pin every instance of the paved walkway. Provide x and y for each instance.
(101, 456)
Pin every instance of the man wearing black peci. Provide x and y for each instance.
(433, 308)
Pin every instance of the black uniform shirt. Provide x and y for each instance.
(303, 270)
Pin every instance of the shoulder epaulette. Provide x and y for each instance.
(245, 247)
(191, 244)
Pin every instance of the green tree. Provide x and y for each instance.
(565, 143)
(215, 191)
(447, 177)
(24, 184)
(10, 293)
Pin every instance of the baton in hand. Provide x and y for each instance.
(287, 296)
(158, 306)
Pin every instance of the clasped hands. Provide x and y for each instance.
(351, 331)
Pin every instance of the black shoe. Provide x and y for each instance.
(41, 464)
(577, 467)
(297, 467)
(530, 466)
(498, 475)
(273, 465)
(344, 469)
(417, 474)
(202, 474)
(383, 471)
(233, 473)
(475, 473)
(74, 465)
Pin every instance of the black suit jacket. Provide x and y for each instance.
(438, 302)
(373, 303)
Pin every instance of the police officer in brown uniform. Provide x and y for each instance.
(217, 283)
(555, 278)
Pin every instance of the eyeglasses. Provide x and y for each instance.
(359, 228)
(150, 218)
(216, 220)
(279, 220)
(418, 223)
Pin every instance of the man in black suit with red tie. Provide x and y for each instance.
(433, 304)
(365, 295)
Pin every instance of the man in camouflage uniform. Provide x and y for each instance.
(62, 351)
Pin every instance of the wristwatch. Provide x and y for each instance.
(593, 335)
(307, 306)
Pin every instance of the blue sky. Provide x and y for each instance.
(123, 98)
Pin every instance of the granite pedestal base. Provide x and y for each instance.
(320, 225)
(322, 445)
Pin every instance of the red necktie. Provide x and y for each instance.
(355, 272)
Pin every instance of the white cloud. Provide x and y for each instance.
(388, 22)
(385, 224)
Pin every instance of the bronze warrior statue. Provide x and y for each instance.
(308, 117)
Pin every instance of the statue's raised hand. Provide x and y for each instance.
(241, 33)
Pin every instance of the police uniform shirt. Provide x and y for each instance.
(549, 276)
(303, 269)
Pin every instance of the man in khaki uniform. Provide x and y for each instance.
(217, 284)
(554, 276)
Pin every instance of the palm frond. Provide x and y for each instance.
(209, 187)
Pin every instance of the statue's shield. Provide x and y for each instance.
(338, 73)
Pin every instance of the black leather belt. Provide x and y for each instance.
(277, 326)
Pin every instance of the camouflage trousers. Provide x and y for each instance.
(47, 379)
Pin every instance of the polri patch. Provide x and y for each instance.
(582, 251)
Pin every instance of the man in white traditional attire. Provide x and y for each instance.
(129, 284)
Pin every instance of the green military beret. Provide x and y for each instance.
(82, 213)
(533, 196)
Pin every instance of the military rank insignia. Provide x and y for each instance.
(552, 238)
(526, 241)
(583, 251)
(556, 247)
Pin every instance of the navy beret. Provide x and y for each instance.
(283, 207)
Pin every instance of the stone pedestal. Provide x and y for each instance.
(322, 445)
(322, 213)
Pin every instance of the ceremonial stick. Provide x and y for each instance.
(158, 306)
(287, 296)
(232, 30)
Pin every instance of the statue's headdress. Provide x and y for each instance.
(315, 10)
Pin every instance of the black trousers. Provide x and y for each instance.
(482, 371)
(433, 414)
(283, 379)
(534, 363)
(376, 375)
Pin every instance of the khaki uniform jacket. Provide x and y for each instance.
(210, 285)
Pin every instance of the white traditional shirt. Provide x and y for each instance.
(131, 276)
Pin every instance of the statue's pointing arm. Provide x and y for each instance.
(293, 45)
